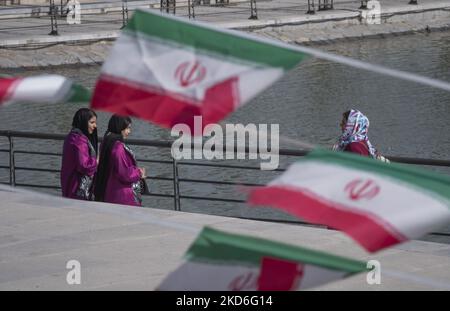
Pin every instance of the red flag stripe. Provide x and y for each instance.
(7, 86)
(164, 108)
(367, 229)
(279, 274)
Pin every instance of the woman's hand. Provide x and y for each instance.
(143, 173)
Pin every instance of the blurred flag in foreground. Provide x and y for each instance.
(222, 261)
(377, 204)
(167, 70)
(41, 89)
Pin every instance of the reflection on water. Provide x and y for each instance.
(406, 119)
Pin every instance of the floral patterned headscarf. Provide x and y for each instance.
(356, 130)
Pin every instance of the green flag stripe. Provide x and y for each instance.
(214, 245)
(433, 182)
(79, 94)
(203, 38)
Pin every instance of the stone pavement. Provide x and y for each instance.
(24, 42)
(234, 15)
(129, 248)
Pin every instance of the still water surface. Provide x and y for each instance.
(406, 119)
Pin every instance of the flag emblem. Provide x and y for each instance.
(175, 70)
(377, 204)
(244, 263)
(189, 74)
(362, 189)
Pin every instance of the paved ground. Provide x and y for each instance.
(24, 42)
(235, 15)
(127, 248)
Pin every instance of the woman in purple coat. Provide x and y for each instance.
(79, 160)
(119, 180)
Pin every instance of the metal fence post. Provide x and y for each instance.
(253, 12)
(12, 164)
(168, 5)
(63, 13)
(363, 5)
(176, 187)
(53, 20)
(124, 13)
(191, 8)
(325, 5)
(173, 6)
(311, 9)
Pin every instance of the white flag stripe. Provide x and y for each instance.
(250, 82)
(412, 211)
(194, 275)
(42, 89)
(205, 276)
(155, 64)
(402, 75)
(315, 276)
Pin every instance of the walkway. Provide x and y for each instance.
(126, 248)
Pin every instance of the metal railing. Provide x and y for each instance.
(173, 164)
(116, 12)
(329, 5)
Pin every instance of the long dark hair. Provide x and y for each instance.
(81, 122)
(114, 133)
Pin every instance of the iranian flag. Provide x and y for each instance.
(41, 89)
(375, 203)
(222, 261)
(167, 70)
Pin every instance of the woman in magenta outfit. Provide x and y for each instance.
(118, 178)
(79, 160)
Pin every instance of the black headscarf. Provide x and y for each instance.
(114, 133)
(81, 121)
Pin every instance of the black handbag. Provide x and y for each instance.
(144, 186)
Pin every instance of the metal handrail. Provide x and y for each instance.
(168, 144)
(175, 179)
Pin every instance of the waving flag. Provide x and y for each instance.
(41, 89)
(377, 204)
(168, 70)
(222, 261)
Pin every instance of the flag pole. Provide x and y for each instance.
(403, 75)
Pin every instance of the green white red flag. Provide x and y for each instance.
(223, 261)
(377, 204)
(41, 89)
(167, 70)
